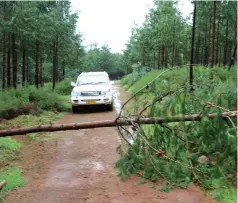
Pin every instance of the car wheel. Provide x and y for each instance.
(74, 109)
(110, 107)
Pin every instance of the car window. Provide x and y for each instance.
(92, 80)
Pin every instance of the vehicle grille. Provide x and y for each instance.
(93, 93)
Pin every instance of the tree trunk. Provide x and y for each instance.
(9, 63)
(27, 69)
(158, 60)
(113, 123)
(225, 46)
(219, 59)
(208, 58)
(2, 184)
(198, 50)
(205, 52)
(154, 59)
(233, 57)
(23, 66)
(3, 60)
(192, 48)
(54, 66)
(37, 63)
(162, 56)
(41, 72)
(166, 57)
(173, 56)
(14, 61)
(63, 69)
(217, 48)
(143, 56)
(213, 38)
(57, 60)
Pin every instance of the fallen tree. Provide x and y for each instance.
(2, 184)
(113, 123)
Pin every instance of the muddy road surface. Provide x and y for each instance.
(78, 167)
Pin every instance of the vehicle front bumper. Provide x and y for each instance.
(91, 100)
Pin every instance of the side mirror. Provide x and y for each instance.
(73, 84)
(111, 82)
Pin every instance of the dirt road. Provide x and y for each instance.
(78, 166)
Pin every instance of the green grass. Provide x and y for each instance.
(13, 178)
(8, 149)
(223, 192)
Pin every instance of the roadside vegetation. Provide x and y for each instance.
(184, 152)
(181, 153)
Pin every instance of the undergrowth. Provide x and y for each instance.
(30, 100)
(184, 152)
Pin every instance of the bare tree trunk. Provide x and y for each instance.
(225, 47)
(9, 63)
(209, 40)
(113, 123)
(27, 68)
(192, 49)
(37, 63)
(77, 61)
(158, 59)
(219, 60)
(54, 66)
(23, 66)
(173, 49)
(233, 57)
(162, 56)
(41, 72)
(143, 56)
(63, 69)
(57, 60)
(154, 59)
(217, 41)
(198, 49)
(3, 60)
(213, 38)
(14, 61)
(166, 57)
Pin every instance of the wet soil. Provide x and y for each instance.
(78, 166)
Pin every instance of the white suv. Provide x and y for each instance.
(92, 88)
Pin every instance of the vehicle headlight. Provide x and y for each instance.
(106, 92)
(75, 94)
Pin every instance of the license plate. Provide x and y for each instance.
(91, 102)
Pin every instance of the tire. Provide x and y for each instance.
(110, 107)
(74, 109)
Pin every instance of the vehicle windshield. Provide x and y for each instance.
(92, 80)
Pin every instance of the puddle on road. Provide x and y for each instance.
(118, 106)
(68, 142)
(117, 102)
(98, 166)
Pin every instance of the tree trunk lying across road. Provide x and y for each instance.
(2, 184)
(111, 123)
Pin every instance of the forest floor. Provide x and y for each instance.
(78, 166)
